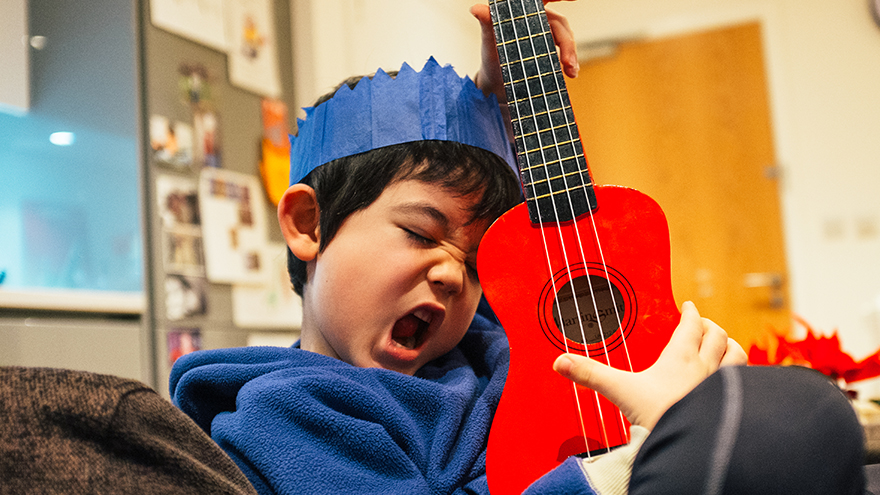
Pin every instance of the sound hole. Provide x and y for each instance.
(580, 321)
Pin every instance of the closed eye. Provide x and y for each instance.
(472, 270)
(417, 238)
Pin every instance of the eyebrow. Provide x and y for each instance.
(423, 209)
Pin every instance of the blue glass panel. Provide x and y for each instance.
(69, 215)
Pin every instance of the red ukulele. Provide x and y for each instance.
(578, 268)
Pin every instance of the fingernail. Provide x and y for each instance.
(563, 365)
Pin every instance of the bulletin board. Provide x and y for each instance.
(215, 242)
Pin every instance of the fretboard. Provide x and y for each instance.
(553, 169)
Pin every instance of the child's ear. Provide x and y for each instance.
(298, 215)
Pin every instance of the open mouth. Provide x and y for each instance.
(409, 332)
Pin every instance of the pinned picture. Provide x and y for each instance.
(178, 207)
(195, 86)
(178, 202)
(252, 54)
(273, 305)
(182, 341)
(185, 297)
(184, 253)
(234, 226)
(207, 139)
(199, 20)
(275, 149)
(171, 142)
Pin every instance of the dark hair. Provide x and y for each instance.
(352, 183)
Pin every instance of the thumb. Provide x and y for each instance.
(587, 372)
(618, 386)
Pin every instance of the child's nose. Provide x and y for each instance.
(448, 274)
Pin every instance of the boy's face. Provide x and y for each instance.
(396, 287)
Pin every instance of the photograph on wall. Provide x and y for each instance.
(201, 21)
(185, 296)
(272, 305)
(178, 207)
(178, 199)
(182, 341)
(233, 214)
(251, 53)
(206, 152)
(183, 252)
(195, 85)
(171, 142)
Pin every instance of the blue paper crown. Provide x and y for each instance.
(434, 104)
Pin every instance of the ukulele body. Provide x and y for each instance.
(522, 267)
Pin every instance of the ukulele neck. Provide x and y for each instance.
(553, 168)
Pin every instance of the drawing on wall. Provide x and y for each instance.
(252, 54)
(199, 20)
(273, 305)
(275, 149)
(182, 341)
(234, 226)
(171, 142)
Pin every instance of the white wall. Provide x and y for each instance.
(335, 39)
(823, 65)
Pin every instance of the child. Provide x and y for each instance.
(394, 382)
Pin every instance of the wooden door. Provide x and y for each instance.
(686, 121)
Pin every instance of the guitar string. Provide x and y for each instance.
(604, 265)
(561, 91)
(559, 228)
(550, 50)
(514, 110)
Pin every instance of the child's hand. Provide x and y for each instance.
(697, 349)
(489, 77)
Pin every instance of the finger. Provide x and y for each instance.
(563, 36)
(714, 344)
(689, 332)
(735, 355)
(489, 77)
(481, 12)
(587, 372)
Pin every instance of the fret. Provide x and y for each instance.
(552, 165)
(555, 73)
(538, 114)
(531, 80)
(552, 146)
(554, 128)
(557, 193)
(579, 173)
(526, 39)
(532, 58)
(536, 15)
